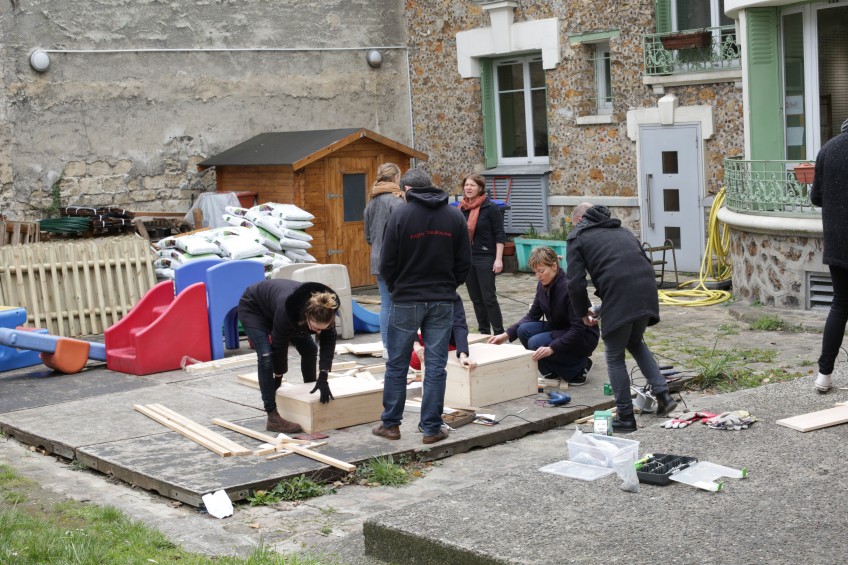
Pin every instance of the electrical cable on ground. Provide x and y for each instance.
(718, 247)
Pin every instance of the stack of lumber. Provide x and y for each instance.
(212, 441)
(19, 233)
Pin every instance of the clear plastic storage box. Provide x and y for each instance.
(599, 450)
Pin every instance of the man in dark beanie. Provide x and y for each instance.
(426, 255)
(830, 192)
(625, 282)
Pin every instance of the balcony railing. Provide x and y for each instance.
(767, 188)
(720, 52)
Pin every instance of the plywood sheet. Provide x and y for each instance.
(817, 420)
(504, 372)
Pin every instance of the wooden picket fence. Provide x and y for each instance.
(16, 233)
(76, 288)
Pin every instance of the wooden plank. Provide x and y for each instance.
(182, 431)
(282, 439)
(816, 420)
(365, 348)
(203, 431)
(219, 364)
(58, 304)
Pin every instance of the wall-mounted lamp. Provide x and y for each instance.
(374, 58)
(39, 60)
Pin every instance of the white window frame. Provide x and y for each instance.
(602, 65)
(530, 159)
(715, 14)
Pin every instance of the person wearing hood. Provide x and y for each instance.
(386, 195)
(426, 256)
(830, 193)
(277, 312)
(624, 280)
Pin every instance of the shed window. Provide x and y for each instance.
(354, 197)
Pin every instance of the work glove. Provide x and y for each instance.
(736, 420)
(686, 419)
(322, 385)
(558, 398)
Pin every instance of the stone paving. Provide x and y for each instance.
(332, 525)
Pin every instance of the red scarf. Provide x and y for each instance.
(473, 206)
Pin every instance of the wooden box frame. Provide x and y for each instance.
(503, 372)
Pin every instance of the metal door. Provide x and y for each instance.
(671, 165)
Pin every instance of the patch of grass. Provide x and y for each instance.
(297, 488)
(326, 530)
(383, 471)
(35, 530)
(728, 329)
(712, 369)
(769, 323)
(77, 465)
(807, 363)
(327, 511)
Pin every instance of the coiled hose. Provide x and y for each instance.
(715, 267)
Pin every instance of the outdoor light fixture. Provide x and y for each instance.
(374, 58)
(39, 60)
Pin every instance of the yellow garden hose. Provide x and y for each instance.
(715, 267)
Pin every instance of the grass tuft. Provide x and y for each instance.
(383, 471)
(297, 488)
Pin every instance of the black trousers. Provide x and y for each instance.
(481, 290)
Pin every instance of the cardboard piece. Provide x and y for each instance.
(504, 372)
(356, 401)
(218, 504)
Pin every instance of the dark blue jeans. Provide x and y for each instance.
(435, 320)
(385, 309)
(834, 327)
(565, 366)
(268, 386)
(629, 337)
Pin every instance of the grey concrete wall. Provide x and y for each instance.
(127, 129)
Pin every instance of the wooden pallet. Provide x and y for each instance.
(76, 288)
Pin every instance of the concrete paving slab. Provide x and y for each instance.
(65, 427)
(36, 386)
(527, 516)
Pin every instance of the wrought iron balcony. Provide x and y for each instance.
(708, 49)
(768, 188)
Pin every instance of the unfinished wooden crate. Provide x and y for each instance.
(357, 401)
(503, 372)
(76, 288)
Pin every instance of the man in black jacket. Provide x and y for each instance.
(624, 281)
(426, 255)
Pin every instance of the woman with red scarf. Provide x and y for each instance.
(485, 224)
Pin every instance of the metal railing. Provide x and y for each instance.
(767, 188)
(720, 51)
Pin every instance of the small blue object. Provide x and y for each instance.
(558, 398)
(364, 320)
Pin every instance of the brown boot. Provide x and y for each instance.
(277, 423)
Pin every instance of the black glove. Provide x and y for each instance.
(322, 385)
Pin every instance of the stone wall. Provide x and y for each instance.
(772, 269)
(586, 159)
(124, 127)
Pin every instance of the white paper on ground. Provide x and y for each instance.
(218, 504)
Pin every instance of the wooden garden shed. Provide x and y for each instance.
(329, 173)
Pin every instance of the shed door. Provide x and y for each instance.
(349, 181)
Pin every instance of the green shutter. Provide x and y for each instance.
(663, 11)
(765, 86)
(490, 132)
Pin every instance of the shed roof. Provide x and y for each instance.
(298, 148)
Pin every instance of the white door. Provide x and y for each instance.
(671, 165)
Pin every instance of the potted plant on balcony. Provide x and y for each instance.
(804, 172)
(531, 239)
(688, 40)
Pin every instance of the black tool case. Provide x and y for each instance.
(658, 469)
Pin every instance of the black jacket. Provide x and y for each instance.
(621, 273)
(570, 335)
(426, 249)
(830, 192)
(489, 230)
(276, 307)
